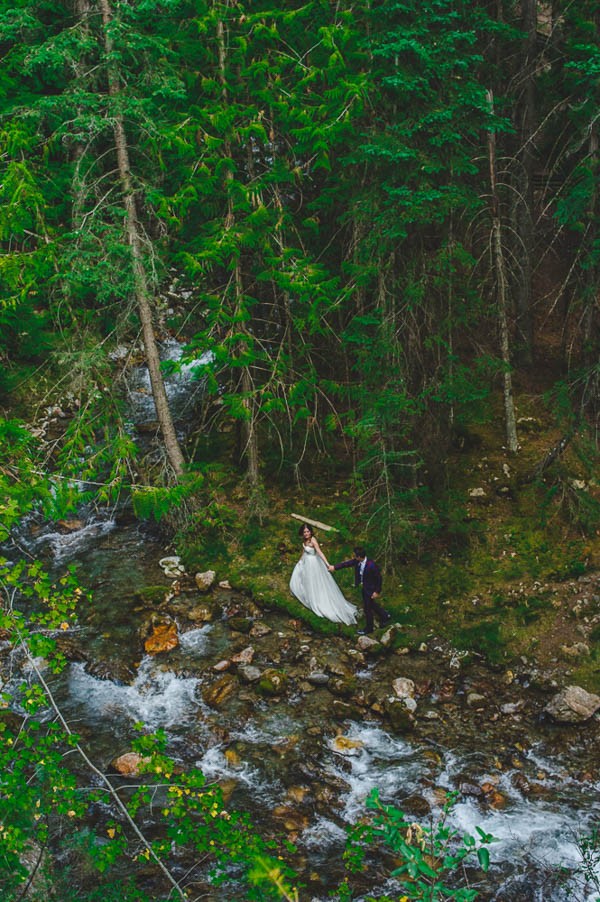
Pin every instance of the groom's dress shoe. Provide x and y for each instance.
(364, 632)
(385, 619)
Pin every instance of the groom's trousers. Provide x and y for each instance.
(371, 607)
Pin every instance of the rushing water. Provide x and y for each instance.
(184, 388)
(286, 743)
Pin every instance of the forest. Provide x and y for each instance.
(352, 251)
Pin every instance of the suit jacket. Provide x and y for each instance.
(371, 575)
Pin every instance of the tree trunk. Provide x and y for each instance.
(524, 179)
(249, 438)
(77, 185)
(142, 294)
(502, 295)
(591, 317)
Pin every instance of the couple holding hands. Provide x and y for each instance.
(313, 584)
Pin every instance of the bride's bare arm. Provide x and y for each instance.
(317, 548)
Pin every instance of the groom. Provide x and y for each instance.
(367, 575)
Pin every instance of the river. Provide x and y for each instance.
(531, 783)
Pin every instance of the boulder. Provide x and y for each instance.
(243, 657)
(496, 799)
(390, 634)
(573, 705)
(248, 673)
(398, 714)
(130, 764)
(471, 789)
(200, 613)
(113, 669)
(477, 493)
(343, 745)
(272, 682)
(403, 687)
(240, 624)
(259, 630)
(220, 691)
(205, 580)
(222, 666)
(332, 664)
(366, 643)
(163, 638)
(343, 685)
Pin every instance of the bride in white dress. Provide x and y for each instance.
(315, 587)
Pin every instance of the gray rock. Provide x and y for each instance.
(403, 687)
(573, 705)
(390, 634)
(365, 643)
(317, 678)
(248, 673)
(205, 580)
(511, 707)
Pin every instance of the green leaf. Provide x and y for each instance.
(483, 856)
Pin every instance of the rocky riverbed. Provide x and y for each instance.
(304, 725)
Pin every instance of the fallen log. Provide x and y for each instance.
(316, 523)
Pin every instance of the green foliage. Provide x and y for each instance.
(45, 807)
(156, 502)
(20, 484)
(315, 176)
(485, 638)
(431, 858)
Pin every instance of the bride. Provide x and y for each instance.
(315, 587)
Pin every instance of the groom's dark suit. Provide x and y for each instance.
(371, 582)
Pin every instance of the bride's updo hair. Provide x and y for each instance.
(303, 527)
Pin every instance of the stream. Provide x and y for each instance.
(531, 783)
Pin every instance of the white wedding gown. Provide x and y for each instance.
(315, 587)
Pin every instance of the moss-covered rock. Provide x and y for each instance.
(272, 682)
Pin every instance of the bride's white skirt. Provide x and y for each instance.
(315, 587)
